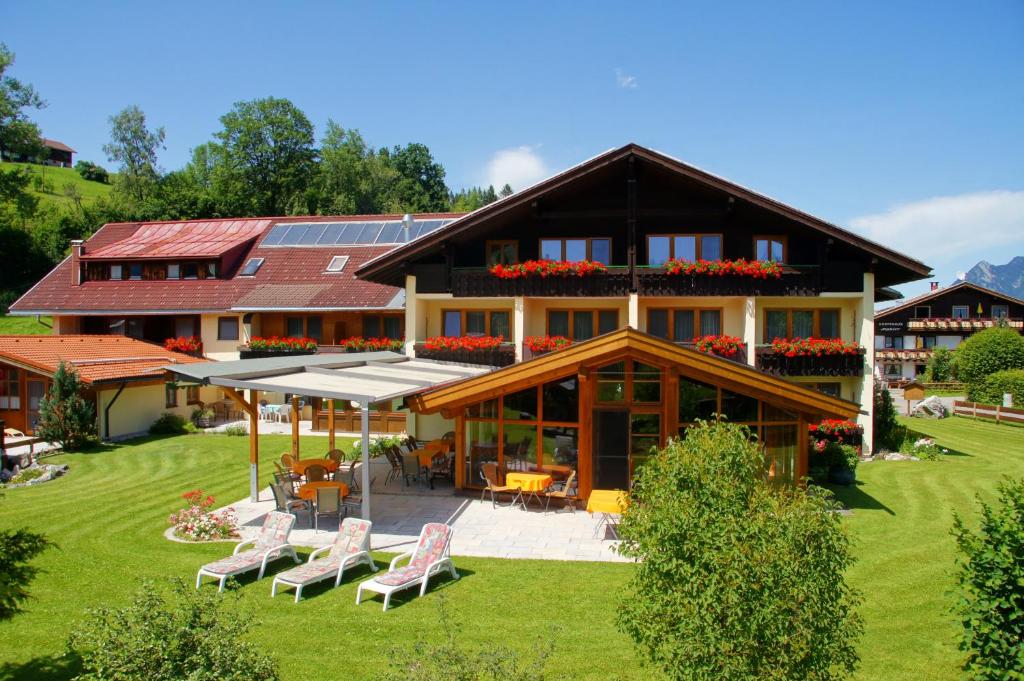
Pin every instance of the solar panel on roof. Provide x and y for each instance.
(293, 235)
(390, 233)
(348, 233)
(370, 232)
(313, 233)
(276, 232)
(332, 231)
(351, 233)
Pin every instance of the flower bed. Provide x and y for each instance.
(721, 345)
(282, 344)
(192, 345)
(548, 268)
(360, 344)
(538, 344)
(756, 269)
(814, 347)
(196, 522)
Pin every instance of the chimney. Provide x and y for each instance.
(935, 285)
(407, 228)
(77, 251)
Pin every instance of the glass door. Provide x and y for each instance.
(36, 393)
(611, 445)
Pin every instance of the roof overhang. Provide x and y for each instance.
(629, 343)
(364, 377)
(932, 295)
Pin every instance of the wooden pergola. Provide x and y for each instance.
(364, 378)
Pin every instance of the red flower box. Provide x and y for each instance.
(835, 427)
(360, 344)
(813, 347)
(469, 343)
(282, 344)
(188, 344)
(546, 343)
(723, 346)
(756, 269)
(548, 268)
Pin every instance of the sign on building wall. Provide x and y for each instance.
(890, 327)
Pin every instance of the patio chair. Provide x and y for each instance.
(395, 459)
(489, 472)
(411, 470)
(287, 502)
(336, 455)
(284, 413)
(561, 490)
(431, 556)
(328, 502)
(442, 466)
(270, 544)
(287, 460)
(316, 473)
(286, 472)
(351, 548)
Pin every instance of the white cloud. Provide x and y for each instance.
(518, 166)
(624, 80)
(946, 228)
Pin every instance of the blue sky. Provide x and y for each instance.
(900, 120)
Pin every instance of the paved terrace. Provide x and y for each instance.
(398, 514)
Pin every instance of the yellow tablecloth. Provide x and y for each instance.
(607, 501)
(308, 491)
(299, 467)
(528, 482)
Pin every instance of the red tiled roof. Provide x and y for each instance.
(97, 359)
(291, 277)
(196, 239)
(59, 146)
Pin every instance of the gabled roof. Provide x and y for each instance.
(97, 359)
(59, 146)
(931, 295)
(629, 342)
(192, 239)
(290, 277)
(378, 268)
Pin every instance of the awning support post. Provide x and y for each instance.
(252, 409)
(365, 425)
(330, 424)
(295, 426)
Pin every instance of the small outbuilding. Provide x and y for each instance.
(913, 391)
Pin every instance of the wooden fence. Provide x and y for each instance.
(991, 412)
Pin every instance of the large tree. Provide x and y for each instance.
(18, 133)
(264, 156)
(420, 187)
(134, 146)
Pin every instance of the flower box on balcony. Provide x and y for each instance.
(482, 350)
(189, 345)
(660, 281)
(275, 346)
(360, 344)
(481, 282)
(811, 357)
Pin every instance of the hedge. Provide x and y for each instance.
(985, 353)
(993, 388)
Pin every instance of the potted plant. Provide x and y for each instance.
(203, 416)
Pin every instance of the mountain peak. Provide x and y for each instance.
(1008, 278)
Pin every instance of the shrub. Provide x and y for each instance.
(169, 423)
(889, 434)
(191, 635)
(940, 367)
(995, 385)
(195, 522)
(237, 429)
(17, 549)
(923, 448)
(987, 352)
(65, 417)
(93, 172)
(26, 475)
(991, 582)
(377, 445)
(454, 659)
(736, 578)
(829, 454)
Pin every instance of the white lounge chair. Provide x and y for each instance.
(271, 543)
(431, 556)
(351, 548)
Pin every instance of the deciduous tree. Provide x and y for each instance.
(134, 146)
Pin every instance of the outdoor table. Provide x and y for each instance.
(429, 450)
(609, 503)
(529, 484)
(308, 491)
(299, 467)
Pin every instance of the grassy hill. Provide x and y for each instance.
(25, 325)
(54, 181)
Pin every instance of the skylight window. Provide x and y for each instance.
(251, 267)
(337, 263)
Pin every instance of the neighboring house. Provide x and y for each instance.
(57, 154)
(633, 209)
(123, 377)
(226, 281)
(907, 334)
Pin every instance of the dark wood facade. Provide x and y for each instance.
(960, 309)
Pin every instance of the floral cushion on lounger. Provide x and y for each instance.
(311, 572)
(350, 538)
(240, 562)
(276, 528)
(432, 544)
(402, 575)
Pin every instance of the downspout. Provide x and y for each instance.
(106, 411)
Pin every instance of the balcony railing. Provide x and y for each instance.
(655, 281)
(501, 356)
(479, 282)
(824, 365)
(955, 324)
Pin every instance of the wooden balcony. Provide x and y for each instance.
(956, 324)
(501, 356)
(825, 365)
(655, 281)
(480, 283)
(740, 357)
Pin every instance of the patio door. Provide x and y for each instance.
(36, 392)
(611, 444)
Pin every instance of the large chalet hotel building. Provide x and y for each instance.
(638, 217)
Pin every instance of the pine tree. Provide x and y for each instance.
(65, 417)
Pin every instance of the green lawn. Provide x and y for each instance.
(25, 325)
(55, 179)
(109, 513)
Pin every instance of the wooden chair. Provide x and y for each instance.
(561, 491)
(489, 472)
(336, 455)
